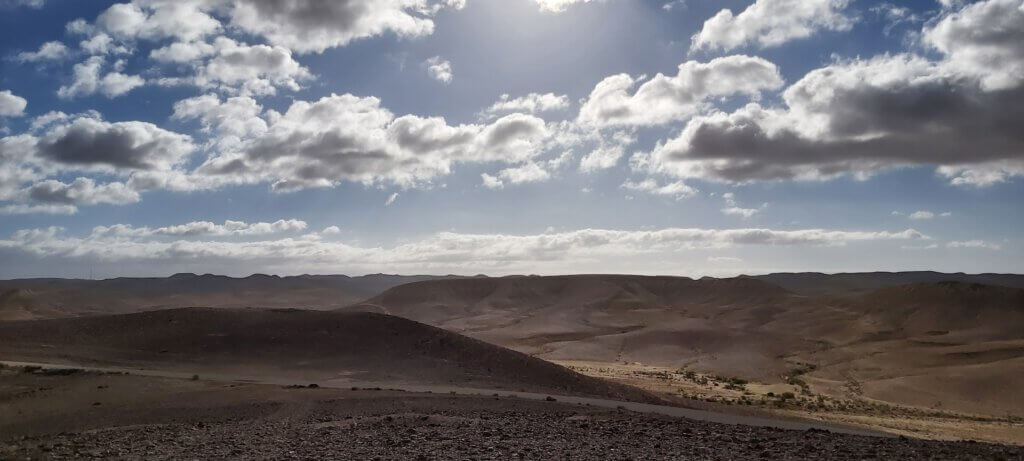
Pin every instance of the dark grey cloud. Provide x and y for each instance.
(129, 145)
(82, 191)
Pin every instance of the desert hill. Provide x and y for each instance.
(673, 321)
(309, 344)
(953, 345)
(29, 299)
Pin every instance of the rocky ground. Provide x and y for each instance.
(128, 417)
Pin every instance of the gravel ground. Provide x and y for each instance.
(412, 426)
(91, 415)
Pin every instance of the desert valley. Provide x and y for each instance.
(927, 356)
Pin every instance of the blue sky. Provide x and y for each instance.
(517, 136)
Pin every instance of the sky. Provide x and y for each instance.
(683, 137)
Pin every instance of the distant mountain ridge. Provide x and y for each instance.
(815, 283)
(28, 299)
(39, 298)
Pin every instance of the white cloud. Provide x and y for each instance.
(857, 117)
(732, 208)
(491, 182)
(314, 26)
(439, 69)
(527, 173)
(182, 52)
(331, 230)
(391, 199)
(975, 244)
(530, 172)
(768, 23)
(87, 81)
(49, 51)
(985, 40)
(101, 43)
(302, 26)
(664, 99)
(232, 119)
(558, 6)
(608, 152)
(348, 138)
(185, 20)
(674, 5)
(250, 69)
(924, 215)
(533, 103)
(201, 229)
(81, 191)
(678, 189)
(12, 105)
(23, 209)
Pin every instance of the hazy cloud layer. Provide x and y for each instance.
(443, 250)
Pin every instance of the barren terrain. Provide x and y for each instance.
(76, 415)
(926, 355)
(951, 350)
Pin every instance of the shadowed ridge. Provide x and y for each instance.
(375, 346)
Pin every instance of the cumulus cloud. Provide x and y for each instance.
(49, 51)
(533, 103)
(769, 23)
(664, 99)
(302, 26)
(232, 119)
(316, 25)
(186, 20)
(442, 250)
(861, 116)
(678, 189)
(12, 105)
(89, 142)
(439, 69)
(87, 81)
(349, 138)
(258, 69)
(984, 39)
(59, 145)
